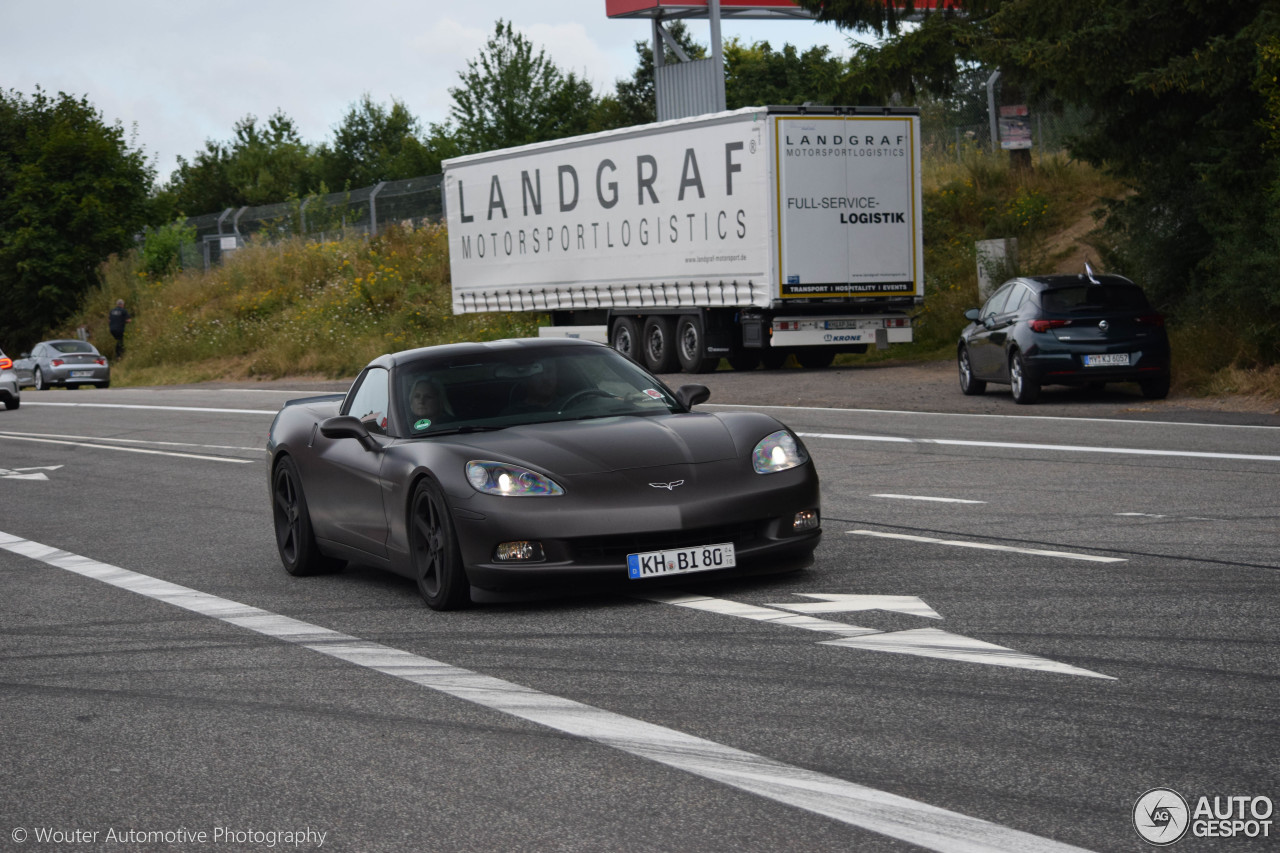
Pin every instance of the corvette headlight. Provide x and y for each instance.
(499, 478)
(778, 451)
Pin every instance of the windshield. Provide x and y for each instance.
(512, 387)
(72, 346)
(1094, 297)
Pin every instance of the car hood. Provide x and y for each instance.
(570, 448)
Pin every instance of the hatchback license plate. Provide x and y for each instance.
(679, 561)
(76, 374)
(1115, 359)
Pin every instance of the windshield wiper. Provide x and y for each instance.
(462, 430)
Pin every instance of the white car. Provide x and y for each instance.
(9, 391)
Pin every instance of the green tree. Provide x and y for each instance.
(261, 164)
(376, 143)
(72, 192)
(511, 95)
(757, 75)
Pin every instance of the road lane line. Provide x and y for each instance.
(1066, 448)
(1068, 419)
(204, 409)
(924, 498)
(960, 543)
(856, 805)
(127, 449)
(92, 438)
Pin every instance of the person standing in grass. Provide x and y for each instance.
(117, 319)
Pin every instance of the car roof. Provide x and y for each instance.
(523, 345)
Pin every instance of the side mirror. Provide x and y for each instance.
(691, 395)
(971, 315)
(345, 426)
(25, 355)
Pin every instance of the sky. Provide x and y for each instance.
(175, 73)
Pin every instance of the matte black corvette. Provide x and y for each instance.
(483, 469)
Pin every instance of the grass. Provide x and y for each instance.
(324, 310)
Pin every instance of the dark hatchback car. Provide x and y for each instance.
(1064, 330)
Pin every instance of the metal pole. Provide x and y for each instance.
(991, 109)
(717, 55)
(373, 209)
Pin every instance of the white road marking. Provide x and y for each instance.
(204, 409)
(857, 805)
(1064, 448)
(959, 543)
(923, 642)
(135, 441)
(12, 437)
(932, 643)
(1175, 517)
(923, 498)
(23, 473)
(846, 603)
(897, 412)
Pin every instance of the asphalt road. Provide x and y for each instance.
(1065, 606)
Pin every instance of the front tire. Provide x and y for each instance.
(433, 545)
(968, 384)
(12, 403)
(1026, 390)
(295, 540)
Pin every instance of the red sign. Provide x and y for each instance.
(733, 8)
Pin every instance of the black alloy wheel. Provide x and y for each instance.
(433, 545)
(295, 539)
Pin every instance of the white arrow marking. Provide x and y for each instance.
(843, 603)
(932, 643)
(924, 642)
(20, 473)
(13, 476)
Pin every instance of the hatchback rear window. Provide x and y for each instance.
(73, 346)
(1094, 297)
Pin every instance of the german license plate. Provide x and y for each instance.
(680, 561)
(1114, 359)
(76, 374)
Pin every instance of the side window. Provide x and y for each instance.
(1016, 299)
(369, 403)
(995, 305)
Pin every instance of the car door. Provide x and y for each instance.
(24, 367)
(986, 344)
(344, 492)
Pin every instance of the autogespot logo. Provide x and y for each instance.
(1161, 816)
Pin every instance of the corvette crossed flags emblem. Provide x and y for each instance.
(668, 486)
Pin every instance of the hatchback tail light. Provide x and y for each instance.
(100, 360)
(1152, 319)
(57, 362)
(1046, 325)
(6, 363)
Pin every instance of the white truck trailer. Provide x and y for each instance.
(749, 235)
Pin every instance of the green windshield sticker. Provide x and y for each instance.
(422, 424)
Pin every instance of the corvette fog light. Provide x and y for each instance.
(805, 520)
(520, 552)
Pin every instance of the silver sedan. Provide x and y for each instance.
(67, 362)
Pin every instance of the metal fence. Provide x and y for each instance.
(364, 211)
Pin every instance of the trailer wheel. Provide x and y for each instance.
(626, 337)
(691, 345)
(658, 344)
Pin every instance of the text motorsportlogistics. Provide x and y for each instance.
(219, 835)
